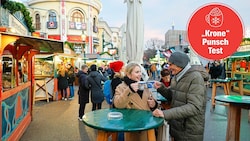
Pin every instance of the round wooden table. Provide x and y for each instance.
(226, 83)
(132, 120)
(236, 103)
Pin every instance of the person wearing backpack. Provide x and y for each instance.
(117, 68)
(107, 91)
(95, 80)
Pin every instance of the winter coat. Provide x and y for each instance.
(115, 82)
(188, 103)
(95, 83)
(71, 79)
(215, 71)
(125, 98)
(83, 88)
(62, 81)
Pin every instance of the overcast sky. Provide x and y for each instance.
(159, 15)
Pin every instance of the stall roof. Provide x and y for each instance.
(41, 44)
(43, 55)
(240, 54)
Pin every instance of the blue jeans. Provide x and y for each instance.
(71, 89)
(153, 75)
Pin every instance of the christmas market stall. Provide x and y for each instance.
(17, 71)
(238, 66)
(46, 72)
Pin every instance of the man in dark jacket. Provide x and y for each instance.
(187, 93)
(83, 90)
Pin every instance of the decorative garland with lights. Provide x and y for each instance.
(106, 52)
(69, 44)
(13, 7)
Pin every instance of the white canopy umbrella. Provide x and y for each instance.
(135, 33)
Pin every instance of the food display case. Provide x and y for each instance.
(44, 78)
(44, 67)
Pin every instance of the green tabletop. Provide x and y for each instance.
(235, 78)
(234, 99)
(132, 120)
(220, 80)
(225, 80)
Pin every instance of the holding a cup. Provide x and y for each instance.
(145, 84)
(150, 84)
(132, 93)
(141, 85)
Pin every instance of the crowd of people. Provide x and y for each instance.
(153, 70)
(181, 83)
(66, 79)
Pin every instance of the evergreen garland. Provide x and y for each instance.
(17, 6)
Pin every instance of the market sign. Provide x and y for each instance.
(78, 49)
(74, 38)
(215, 31)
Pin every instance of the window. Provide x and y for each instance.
(77, 20)
(52, 16)
(95, 29)
(77, 16)
(52, 23)
(38, 23)
(94, 21)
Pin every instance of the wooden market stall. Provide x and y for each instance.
(238, 66)
(17, 83)
(62, 60)
(46, 69)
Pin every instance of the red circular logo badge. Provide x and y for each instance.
(215, 31)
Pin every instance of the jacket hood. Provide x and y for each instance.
(200, 69)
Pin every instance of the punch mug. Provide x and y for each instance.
(141, 85)
(215, 17)
(150, 84)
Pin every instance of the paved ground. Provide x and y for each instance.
(57, 121)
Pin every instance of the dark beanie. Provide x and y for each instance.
(179, 59)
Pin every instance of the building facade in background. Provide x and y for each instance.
(178, 40)
(76, 22)
(67, 21)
